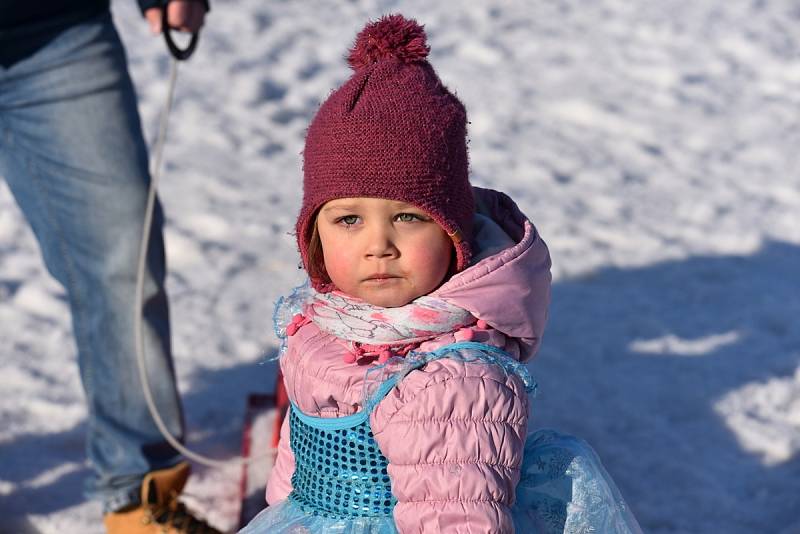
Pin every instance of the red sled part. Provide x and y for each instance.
(262, 431)
(282, 405)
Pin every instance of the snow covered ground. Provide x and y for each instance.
(655, 145)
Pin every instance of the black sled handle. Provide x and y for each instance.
(177, 53)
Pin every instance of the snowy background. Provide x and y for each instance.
(654, 144)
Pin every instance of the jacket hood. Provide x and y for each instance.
(508, 283)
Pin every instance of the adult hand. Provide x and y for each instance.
(182, 15)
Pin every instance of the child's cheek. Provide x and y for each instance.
(337, 265)
(432, 262)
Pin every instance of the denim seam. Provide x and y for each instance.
(72, 287)
(69, 268)
(5, 133)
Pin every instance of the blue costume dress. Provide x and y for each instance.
(340, 484)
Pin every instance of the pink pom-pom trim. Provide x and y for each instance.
(384, 355)
(297, 321)
(465, 334)
(390, 36)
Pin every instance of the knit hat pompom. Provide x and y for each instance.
(389, 36)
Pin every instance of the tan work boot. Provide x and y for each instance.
(160, 511)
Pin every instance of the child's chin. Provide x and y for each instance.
(387, 299)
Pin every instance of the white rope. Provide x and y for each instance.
(138, 333)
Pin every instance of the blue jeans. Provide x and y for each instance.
(73, 155)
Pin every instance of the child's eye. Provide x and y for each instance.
(348, 220)
(408, 217)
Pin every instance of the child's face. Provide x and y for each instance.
(384, 252)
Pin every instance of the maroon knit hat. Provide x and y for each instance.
(392, 131)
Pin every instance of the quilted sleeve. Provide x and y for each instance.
(454, 435)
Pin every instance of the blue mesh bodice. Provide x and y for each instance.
(339, 469)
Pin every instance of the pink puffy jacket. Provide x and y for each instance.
(453, 432)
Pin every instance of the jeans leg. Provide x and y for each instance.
(73, 155)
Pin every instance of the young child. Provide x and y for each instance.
(403, 359)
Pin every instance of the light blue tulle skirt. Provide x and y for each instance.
(564, 488)
(287, 517)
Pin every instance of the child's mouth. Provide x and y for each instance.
(380, 278)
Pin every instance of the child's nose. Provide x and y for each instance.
(380, 244)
